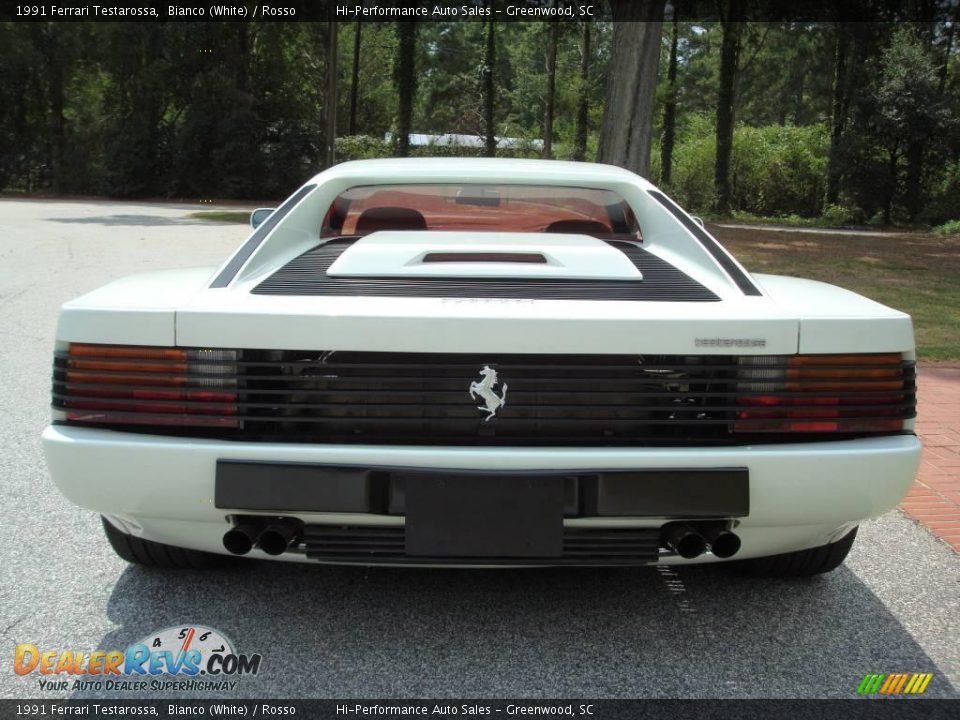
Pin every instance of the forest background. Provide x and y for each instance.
(829, 122)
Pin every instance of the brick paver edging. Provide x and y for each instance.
(934, 499)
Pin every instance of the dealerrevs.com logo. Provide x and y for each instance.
(187, 657)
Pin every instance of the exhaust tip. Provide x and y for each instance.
(725, 544)
(276, 539)
(239, 540)
(691, 546)
(685, 541)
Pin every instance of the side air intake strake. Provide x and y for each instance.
(309, 396)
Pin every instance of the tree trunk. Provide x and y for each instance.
(912, 196)
(670, 106)
(243, 60)
(839, 120)
(58, 139)
(799, 80)
(726, 102)
(355, 79)
(486, 90)
(917, 149)
(942, 84)
(629, 99)
(583, 102)
(892, 185)
(331, 119)
(406, 80)
(553, 30)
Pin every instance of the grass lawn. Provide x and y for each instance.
(234, 216)
(918, 273)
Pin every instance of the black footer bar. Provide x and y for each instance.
(872, 708)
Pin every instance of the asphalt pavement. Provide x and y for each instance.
(696, 632)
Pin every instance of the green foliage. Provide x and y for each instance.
(776, 170)
(840, 215)
(236, 109)
(837, 217)
(902, 128)
(159, 109)
(907, 94)
(376, 95)
(365, 147)
(362, 147)
(944, 195)
(951, 227)
(694, 157)
(224, 216)
(779, 169)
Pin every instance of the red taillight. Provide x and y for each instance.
(824, 393)
(131, 384)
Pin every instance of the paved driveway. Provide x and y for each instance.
(342, 632)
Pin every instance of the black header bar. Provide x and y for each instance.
(472, 10)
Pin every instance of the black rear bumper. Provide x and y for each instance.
(267, 487)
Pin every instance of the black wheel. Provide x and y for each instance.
(802, 563)
(153, 554)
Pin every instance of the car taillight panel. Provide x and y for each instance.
(853, 393)
(141, 385)
(303, 396)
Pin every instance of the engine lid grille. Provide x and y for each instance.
(307, 275)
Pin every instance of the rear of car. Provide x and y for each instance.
(487, 363)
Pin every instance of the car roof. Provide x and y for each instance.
(486, 170)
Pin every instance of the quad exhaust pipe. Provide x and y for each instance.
(274, 536)
(690, 540)
(279, 536)
(723, 543)
(240, 539)
(684, 540)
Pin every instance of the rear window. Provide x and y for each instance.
(484, 208)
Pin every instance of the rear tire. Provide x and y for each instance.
(803, 563)
(148, 553)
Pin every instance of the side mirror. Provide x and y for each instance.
(698, 220)
(259, 215)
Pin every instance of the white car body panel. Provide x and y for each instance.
(141, 308)
(826, 312)
(800, 495)
(161, 487)
(467, 325)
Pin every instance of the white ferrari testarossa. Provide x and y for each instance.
(476, 362)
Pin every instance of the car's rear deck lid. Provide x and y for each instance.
(484, 255)
(350, 267)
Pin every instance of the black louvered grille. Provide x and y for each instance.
(307, 275)
(386, 545)
(424, 399)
